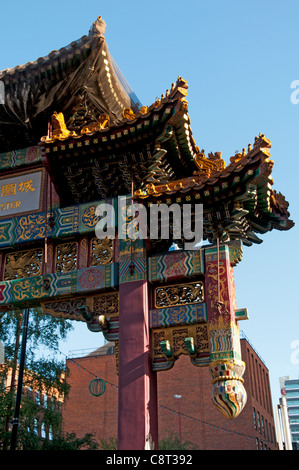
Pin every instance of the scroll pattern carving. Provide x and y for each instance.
(177, 336)
(179, 294)
(101, 251)
(106, 304)
(23, 264)
(66, 257)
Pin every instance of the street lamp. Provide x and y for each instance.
(180, 424)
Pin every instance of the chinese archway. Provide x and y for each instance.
(73, 136)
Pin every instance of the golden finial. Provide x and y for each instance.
(143, 109)
(128, 114)
(59, 129)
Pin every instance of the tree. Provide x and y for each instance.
(108, 444)
(172, 442)
(43, 373)
(70, 441)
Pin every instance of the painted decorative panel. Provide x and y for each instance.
(28, 228)
(224, 342)
(68, 222)
(97, 277)
(131, 248)
(60, 284)
(221, 305)
(88, 216)
(175, 265)
(18, 293)
(172, 316)
(6, 232)
(15, 158)
(132, 270)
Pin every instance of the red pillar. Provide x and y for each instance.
(137, 394)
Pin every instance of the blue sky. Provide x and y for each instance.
(239, 59)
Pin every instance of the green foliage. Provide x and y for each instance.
(108, 444)
(172, 442)
(70, 442)
(43, 372)
(44, 331)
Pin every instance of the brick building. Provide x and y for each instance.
(199, 421)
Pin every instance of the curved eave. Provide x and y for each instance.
(153, 143)
(171, 111)
(240, 197)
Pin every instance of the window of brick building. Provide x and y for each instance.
(254, 418)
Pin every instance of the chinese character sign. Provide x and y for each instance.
(19, 194)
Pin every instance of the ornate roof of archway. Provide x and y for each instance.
(82, 72)
(97, 141)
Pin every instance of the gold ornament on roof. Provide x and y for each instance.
(183, 91)
(238, 155)
(260, 141)
(128, 114)
(59, 129)
(102, 122)
(210, 165)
